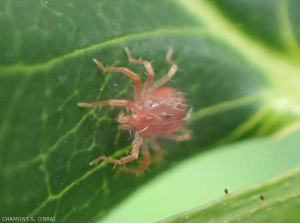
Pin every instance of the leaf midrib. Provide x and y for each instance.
(281, 70)
(31, 68)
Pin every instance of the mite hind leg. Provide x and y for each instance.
(134, 153)
(185, 135)
(145, 164)
(156, 147)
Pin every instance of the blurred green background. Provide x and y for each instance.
(204, 177)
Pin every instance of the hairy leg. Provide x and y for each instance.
(134, 153)
(129, 73)
(146, 162)
(185, 135)
(114, 103)
(149, 69)
(155, 146)
(167, 77)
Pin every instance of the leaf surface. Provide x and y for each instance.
(280, 203)
(239, 86)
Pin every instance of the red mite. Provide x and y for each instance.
(156, 112)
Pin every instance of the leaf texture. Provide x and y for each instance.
(241, 83)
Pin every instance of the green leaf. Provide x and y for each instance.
(203, 177)
(280, 203)
(239, 84)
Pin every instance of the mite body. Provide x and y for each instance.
(163, 112)
(155, 112)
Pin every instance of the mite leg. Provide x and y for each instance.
(129, 73)
(186, 135)
(146, 162)
(189, 114)
(134, 153)
(148, 67)
(114, 103)
(170, 74)
(155, 146)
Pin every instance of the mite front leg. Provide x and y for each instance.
(167, 77)
(146, 162)
(129, 73)
(114, 103)
(149, 69)
(134, 153)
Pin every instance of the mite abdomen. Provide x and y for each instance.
(163, 112)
